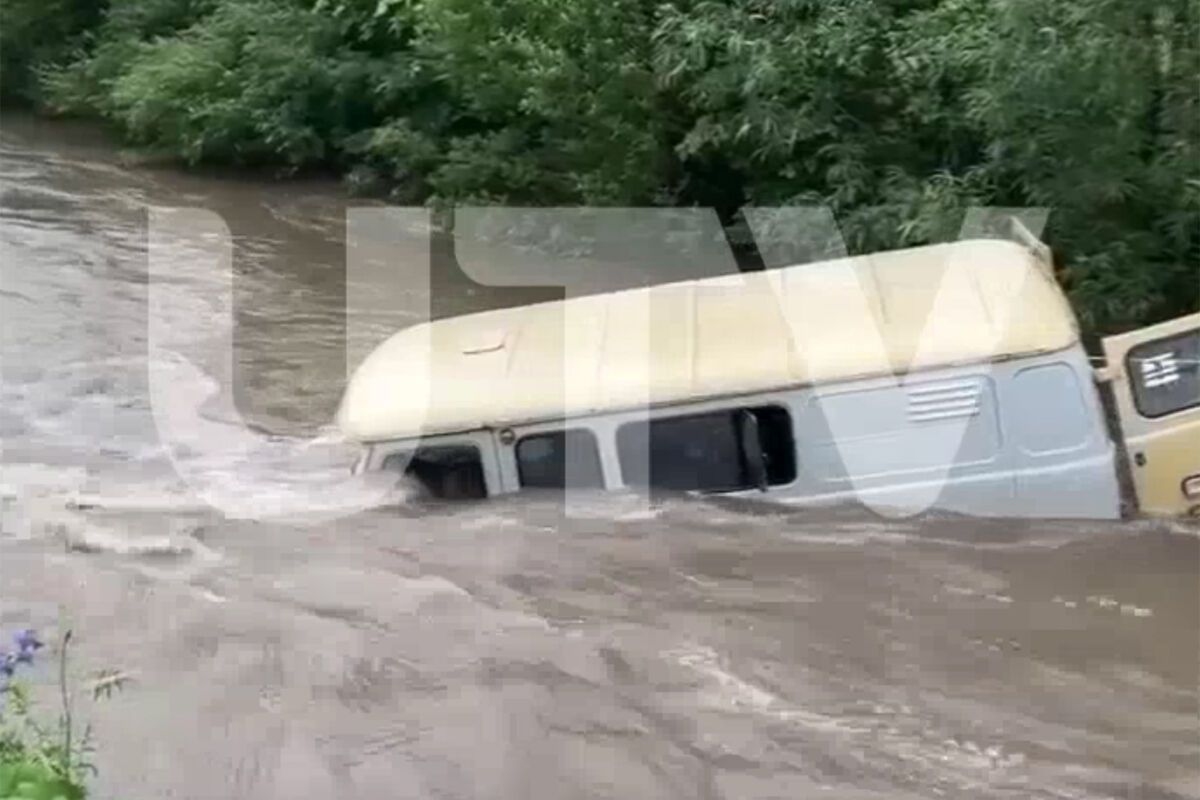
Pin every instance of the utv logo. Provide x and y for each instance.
(1160, 370)
(192, 347)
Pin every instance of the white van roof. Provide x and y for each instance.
(813, 323)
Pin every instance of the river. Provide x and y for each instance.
(688, 649)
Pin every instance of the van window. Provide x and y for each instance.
(1164, 375)
(451, 472)
(560, 459)
(1048, 414)
(723, 451)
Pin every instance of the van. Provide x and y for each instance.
(949, 377)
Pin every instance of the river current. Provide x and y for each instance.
(685, 649)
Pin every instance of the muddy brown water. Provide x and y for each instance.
(503, 651)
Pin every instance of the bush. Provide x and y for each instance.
(36, 35)
(38, 762)
(897, 114)
(557, 102)
(254, 82)
(83, 84)
(35, 764)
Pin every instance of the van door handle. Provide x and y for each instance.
(1139, 459)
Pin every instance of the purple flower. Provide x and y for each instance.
(27, 640)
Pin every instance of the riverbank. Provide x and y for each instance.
(898, 117)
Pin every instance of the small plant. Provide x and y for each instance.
(40, 762)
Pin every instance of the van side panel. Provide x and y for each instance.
(1022, 438)
(1066, 464)
(930, 442)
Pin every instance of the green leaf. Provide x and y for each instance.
(31, 781)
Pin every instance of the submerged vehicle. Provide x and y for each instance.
(950, 376)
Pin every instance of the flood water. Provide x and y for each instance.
(504, 651)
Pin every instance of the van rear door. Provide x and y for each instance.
(1155, 374)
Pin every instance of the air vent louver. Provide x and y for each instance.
(949, 400)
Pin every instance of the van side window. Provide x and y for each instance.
(724, 451)
(560, 459)
(449, 472)
(1164, 375)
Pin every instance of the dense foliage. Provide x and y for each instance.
(898, 114)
